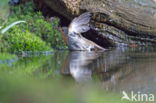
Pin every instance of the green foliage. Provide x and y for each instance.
(37, 24)
(3, 45)
(10, 26)
(29, 36)
(19, 41)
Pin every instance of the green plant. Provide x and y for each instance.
(37, 24)
(19, 41)
(10, 26)
(37, 34)
(3, 45)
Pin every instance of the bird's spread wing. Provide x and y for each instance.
(80, 24)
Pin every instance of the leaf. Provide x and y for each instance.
(11, 25)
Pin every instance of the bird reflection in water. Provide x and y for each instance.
(114, 70)
(106, 66)
(79, 65)
(82, 65)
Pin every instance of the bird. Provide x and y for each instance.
(73, 34)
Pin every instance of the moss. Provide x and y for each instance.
(3, 45)
(19, 41)
(37, 24)
(37, 34)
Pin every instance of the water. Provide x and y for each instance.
(129, 69)
(117, 70)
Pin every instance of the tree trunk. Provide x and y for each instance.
(118, 21)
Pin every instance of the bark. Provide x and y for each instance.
(118, 21)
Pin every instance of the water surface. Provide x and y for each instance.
(117, 70)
